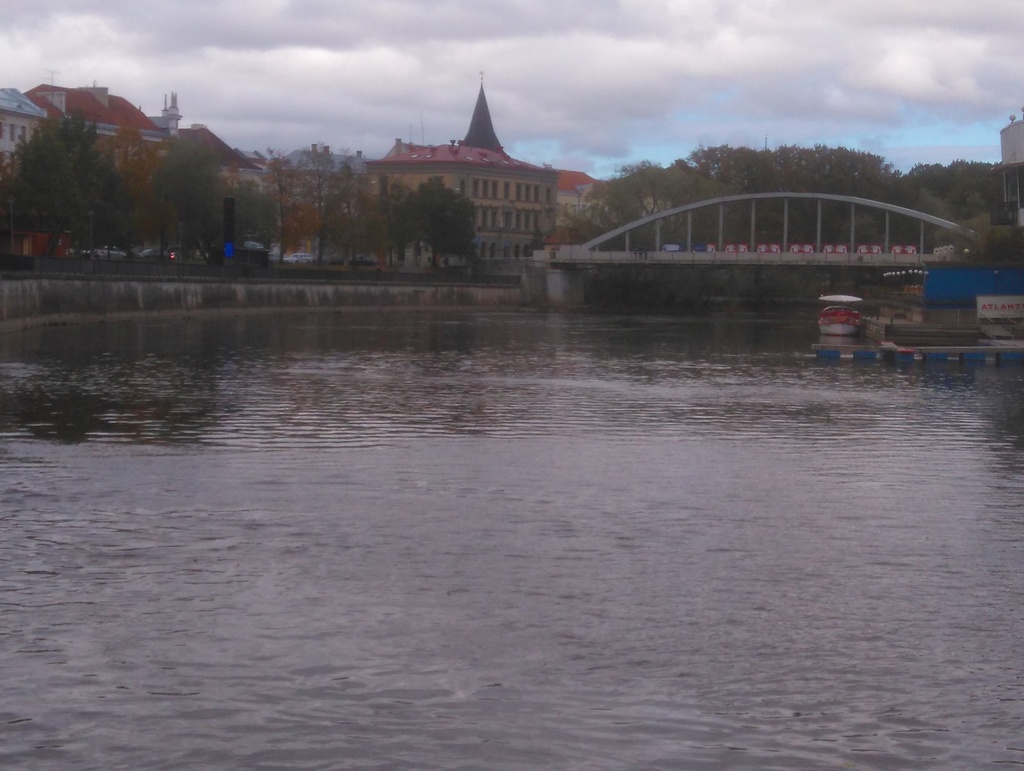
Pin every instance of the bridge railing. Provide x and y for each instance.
(578, 256)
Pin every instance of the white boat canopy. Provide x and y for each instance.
(839, 298)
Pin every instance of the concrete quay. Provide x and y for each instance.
(27, 301)
(999, 353)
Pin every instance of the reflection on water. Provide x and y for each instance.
(503, 541)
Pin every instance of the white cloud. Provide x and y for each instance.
(600, 82)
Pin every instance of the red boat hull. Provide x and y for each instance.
(839, 320)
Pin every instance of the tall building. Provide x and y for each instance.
(515, 201)
(1012, 167)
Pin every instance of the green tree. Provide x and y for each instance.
(966, 188)
(435, 215)
(59, 178)
(255, 211)
(189, 182)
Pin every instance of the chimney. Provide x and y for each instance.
(57, 99)
(100, 93)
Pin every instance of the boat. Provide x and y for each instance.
(838, 317)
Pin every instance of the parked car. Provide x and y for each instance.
(109, 253)
(296, 258)
(364, 261)
(154, 254)
(253, 245)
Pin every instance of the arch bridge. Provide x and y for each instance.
(830, 254)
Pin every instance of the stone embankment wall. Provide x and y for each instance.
(33, 301)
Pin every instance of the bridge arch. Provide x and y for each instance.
(721, 202)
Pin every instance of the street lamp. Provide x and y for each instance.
(10, 210)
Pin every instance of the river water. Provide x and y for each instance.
(507, 541)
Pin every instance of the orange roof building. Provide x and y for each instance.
(574, 189)
(231, 160)
(96, 106)
(515, 201)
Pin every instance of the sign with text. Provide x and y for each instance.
(993, 307)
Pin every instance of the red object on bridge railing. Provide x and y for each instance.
(869, 249)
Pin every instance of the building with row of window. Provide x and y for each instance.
(18, 117)
(515, 201)
(108, 113)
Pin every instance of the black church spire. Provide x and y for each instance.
(481, 130)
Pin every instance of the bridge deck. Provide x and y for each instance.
(574, 255)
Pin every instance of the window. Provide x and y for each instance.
(508, 220)
(462, 186)
(547, 195)
(519, 191)
(506, 190)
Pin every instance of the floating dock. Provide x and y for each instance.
(1000, 353)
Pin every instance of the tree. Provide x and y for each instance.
(965, 187)
(189, 182)
(255, 210)
(296, 219)
(435, 215)
(447, 219)
(58, 178)
(355, 217)
(137, 162)
(317, 179)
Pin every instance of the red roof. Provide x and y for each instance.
(95, 105)
(454, 152)
(571, 181)
(227, 156)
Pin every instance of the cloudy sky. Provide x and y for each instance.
(583, 84)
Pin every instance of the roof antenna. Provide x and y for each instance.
(52, 73)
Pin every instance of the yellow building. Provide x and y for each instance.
(515, 201)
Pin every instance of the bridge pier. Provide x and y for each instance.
(565, 287)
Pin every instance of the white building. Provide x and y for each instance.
(18, 119)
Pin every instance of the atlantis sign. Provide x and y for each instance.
(1000, 308)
